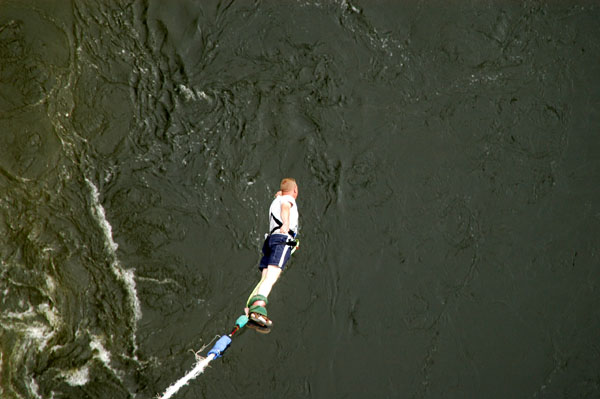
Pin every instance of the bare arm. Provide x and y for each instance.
(285, 217)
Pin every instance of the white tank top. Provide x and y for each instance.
(275, 213)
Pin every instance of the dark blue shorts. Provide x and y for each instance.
(275, 251)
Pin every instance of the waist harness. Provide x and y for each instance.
(279, 224)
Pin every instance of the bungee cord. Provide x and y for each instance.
(202, 362)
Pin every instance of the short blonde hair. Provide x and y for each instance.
(287, 184)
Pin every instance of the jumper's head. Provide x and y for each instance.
(288, 186)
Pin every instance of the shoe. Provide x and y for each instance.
(261, 319)
(257, 327)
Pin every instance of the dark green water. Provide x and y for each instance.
(448, 157)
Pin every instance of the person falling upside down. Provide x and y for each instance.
(277, 248)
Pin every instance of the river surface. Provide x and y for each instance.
(448, 159)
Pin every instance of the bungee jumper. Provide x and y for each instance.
(277, 249)
(278, 246)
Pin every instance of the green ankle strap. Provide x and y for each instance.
(257, 298)
(259, 309)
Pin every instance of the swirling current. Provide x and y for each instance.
(448, 160)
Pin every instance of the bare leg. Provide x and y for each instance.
(263, 277)
(271, 274)
(257, 302)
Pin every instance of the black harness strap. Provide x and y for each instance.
(279, 224)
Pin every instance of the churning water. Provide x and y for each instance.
(448, 158)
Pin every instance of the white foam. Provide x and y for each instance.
(187, 92)
(81, 376)
(40, 333)
(98, 212)
(33, 388)
(346, 5)
(127, 277)
(35, 326)
(102, 354)
(28, 323)
(51, 314)
(50, 284)
(20, 315)
(201, 93)
(157, 281)
(77, 377)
